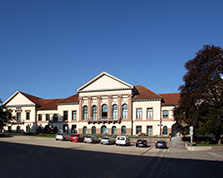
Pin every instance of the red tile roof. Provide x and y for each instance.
(170, 98)
(32, 98)
(42, 104)
(71, 99)
(145, 93)
(49, 104)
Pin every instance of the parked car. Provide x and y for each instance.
(91, 139)
(107, 140)
(122, 140)
(161, 144)
(76, 138)
(141, 143)
(61, 136)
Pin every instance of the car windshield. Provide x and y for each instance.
(105, 138)
(75, 135)
(88, 137)
(121, 138)
(162, 142)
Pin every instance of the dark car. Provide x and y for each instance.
(76, 138)
(161, 144)
(141, 143)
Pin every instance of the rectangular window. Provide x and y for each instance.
(27, 115)
(138, 129)
(65, 115)
(39, 117)
(18, 116)
(165, 114)
(149, 130)
(139, 113)
(74, 115)
(47, 117)
(149, 113)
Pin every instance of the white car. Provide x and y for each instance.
(122, 140)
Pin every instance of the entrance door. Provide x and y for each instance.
(65, 128)
(74, 129)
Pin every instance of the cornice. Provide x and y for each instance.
(105, 90)
(71, 103)
(143, 100)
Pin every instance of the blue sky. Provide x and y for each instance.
(49, 48)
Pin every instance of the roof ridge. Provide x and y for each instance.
(30, 95)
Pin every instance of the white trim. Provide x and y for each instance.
(100, 75)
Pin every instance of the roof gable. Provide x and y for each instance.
(104, 81)
(19, 98)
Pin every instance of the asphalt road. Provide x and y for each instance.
(34, 157)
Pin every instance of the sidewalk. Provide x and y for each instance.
(176, 142)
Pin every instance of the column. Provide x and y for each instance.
(119, 106)
(89, 108)
(109, 107)
(98, 107)
(129, 107)
(80, 109)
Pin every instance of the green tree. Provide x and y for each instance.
(201, 103)
(5, 116)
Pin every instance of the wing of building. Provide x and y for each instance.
(103, 105)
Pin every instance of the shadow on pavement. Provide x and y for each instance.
(21, 161)
(5, 135)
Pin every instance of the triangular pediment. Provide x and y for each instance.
(18, 99)
(104, 81)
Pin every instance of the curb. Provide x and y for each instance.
(197, 148)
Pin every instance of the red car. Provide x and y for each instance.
(76, 138)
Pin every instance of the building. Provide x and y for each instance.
(105, 104)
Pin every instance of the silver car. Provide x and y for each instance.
(61, 136)
(107, 140)
(91, 139)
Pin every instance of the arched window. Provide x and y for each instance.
(94, 112)
(93, 130)
(115, 112)
(104, 111)
(85, 112)
(123, 130)
(84, 130)
(113, 130)
(165, 130)
(124, 111)
(103, 129)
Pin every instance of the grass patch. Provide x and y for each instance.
(43, 136)
(207, 144)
